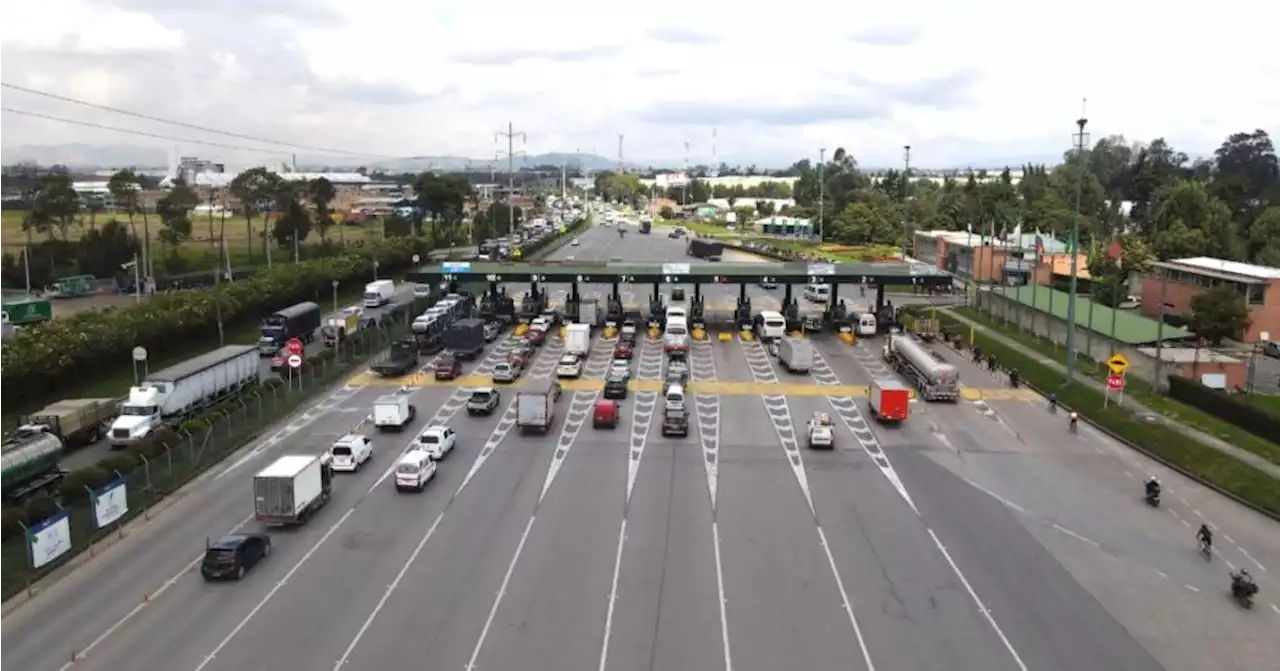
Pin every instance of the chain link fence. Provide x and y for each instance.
(154, 469)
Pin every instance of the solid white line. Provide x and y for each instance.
(1255, 561)
(1229, 539)
(982, 608)
(996, 496)
(346, 654)
(613, 597)
(1192, 588)
(1077, 536)
(241, 625)
(848, 604)
(724, 619)
(502, 590)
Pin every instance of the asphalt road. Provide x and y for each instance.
(91, 454)
(975, 536)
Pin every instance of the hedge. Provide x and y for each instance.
(1159, 440)
(46, 357)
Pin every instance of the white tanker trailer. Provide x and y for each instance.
(936, 381)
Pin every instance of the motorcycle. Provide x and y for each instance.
(1243, 591)
(1153, 499)
(1206, 549)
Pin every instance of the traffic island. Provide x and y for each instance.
(1253, 486)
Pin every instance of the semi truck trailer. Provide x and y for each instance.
(935, 380)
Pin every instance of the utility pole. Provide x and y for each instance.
(1081, 138)
(906, 194)
(621, 169)
(822, 187)
(511, 136)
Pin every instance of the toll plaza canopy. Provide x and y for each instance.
(605, 272)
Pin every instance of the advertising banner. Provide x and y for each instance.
(110, 502)
(49, 539)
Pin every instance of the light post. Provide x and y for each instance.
(822, 188)
(375, 270)
(1081, 138)
(335, 296)
(137, 278)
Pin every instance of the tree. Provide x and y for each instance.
(57, 202)
(667, 213)
(868, 222)
(1188, 221)
(322, 193)
(123, 186)
(1264, 238)
(175, 215)
(1246, 176)
(294, 223)
(1109, 272)
(256, 189)
(1219, 313)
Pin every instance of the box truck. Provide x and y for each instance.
(296, 321)
(536, 406)
(176, 392)
(577, 339)
(465, 338)
(796, 354)
(890, 400)
(378, 293)
(291, 489)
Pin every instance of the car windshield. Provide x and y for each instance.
(568, 360)
(341, 451)
(674, 416)
(429, 439)
(409, 467)
(502, 368)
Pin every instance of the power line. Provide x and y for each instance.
(184, 124)
(130, 131)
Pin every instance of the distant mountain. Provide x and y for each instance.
(590, 162)
(88, 156)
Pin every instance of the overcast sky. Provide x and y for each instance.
(963, 82)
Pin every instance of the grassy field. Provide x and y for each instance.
(244, 244)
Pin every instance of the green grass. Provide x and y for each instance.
(1141, 391)
(1267, 402)
(1162, 441)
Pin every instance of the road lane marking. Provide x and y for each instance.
(982, 608)
(846, 602)
(502, 590)
(1193, 588)
(724, 615)
(613, 596)
(1250, 557)
(1076, 536)
(997, 497)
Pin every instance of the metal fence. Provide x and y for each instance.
(153, 474)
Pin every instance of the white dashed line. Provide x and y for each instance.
(1193, 588)
(1077, 536)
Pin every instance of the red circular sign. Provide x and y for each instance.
(294, 346)
(1115, 382)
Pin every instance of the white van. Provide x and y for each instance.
(674, 398)
(770, 325)
(866, 324)
(351, 452)
(818, 293)
(677, 312)
(676, 339)
(379, 293)
(414, 470)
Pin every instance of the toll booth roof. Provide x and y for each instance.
(878, 272)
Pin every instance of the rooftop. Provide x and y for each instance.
(1127, 327)
(1245, 270)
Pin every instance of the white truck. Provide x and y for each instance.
(936, 380)
(291, 489)
(176, 392)
(577, 339)
(393, 412)
(536, 406)
(796, 354)
(589, 312)
(378, 293)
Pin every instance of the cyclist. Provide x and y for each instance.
(1074, 418)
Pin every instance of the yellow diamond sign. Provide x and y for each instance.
(1118, 364)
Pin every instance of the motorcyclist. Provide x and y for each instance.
(1205, 535)
(1244, 582)
(1053, 402)
(1013, 377)
(1075, 418)
(1153, 487)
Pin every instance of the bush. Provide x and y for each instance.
(73, 486)
(120, 462)
(39, 507)
(272, 383)
(11, 521)
(40, 359)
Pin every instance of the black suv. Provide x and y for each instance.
(233, 555)
(615, 385)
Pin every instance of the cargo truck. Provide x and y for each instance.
(378, 293)
(393, 412)
(936, 381)
(77, 422)
(27, 312)
(339, 328)
(400, 359)
(465, 338)
(291, 489)
(296, 321)
(29, 462)
(705, 249)
(577, 339)
(589, 312)
(172, 394)
(796, 354)
(536, 406)
(890, 400)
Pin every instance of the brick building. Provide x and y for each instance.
(1175, 283)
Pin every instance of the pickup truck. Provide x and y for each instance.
(483, 401)
(399, 360)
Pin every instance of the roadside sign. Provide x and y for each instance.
(1115, 382)
(295, 361)
(139, 354)
(1118, 364)
(294, 347)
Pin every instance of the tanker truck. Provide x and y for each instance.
(29, 462)
(935, 380)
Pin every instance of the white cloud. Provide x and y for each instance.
(961, 82)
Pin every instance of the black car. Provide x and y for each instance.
(615, 385)
(233, 555)
(675, 423)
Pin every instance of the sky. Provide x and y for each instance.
(980, 83)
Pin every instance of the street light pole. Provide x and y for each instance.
(1080, 138)
(906, 194)
(822, 188)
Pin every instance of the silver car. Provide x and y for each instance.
(506, 372)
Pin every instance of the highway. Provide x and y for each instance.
(91, 454)
(980, 535)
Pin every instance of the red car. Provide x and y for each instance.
(280, 361)
(448, 368)
(623, 351)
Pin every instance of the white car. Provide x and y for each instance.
(437, 441)
(414, 470)
(575, 242)
(620, 366)
(570, 366)
(351, 452)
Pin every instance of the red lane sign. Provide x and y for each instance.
(1115, 382)
(294, 347)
